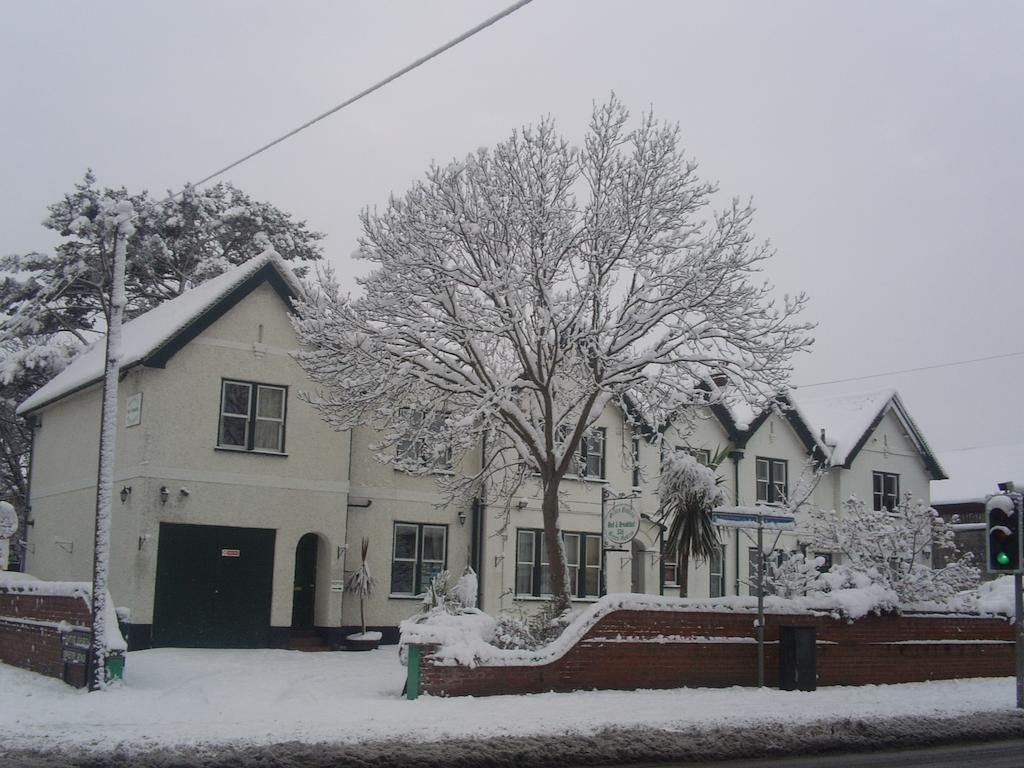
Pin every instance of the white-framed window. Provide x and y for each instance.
(771, 480)
(252, 416)
(776, 558)
(636, 462)
(591, 453)
(716, 566)
(582, 556)
(669, 567)
(420, 447)
(702, 455)
(885, 490)
(419, 552)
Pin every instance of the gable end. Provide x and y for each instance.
(267, 273)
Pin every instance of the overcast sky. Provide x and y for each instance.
(880, 141)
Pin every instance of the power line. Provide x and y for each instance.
(913, 370)
(376, 86)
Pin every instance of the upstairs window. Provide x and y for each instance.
(252, 416)
(886, 490)
(771, 481)
(420, 447)
(591, 454)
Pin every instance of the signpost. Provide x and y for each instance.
(746, 518)
(619, 526)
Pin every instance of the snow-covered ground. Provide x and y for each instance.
(175, 697)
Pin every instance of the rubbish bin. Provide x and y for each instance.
(798, 661)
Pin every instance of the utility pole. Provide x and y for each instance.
(121, 216)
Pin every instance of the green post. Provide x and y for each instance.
(412, 677)
(114, 669)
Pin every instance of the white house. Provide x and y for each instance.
(238, 513)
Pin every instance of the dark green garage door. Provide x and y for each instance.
(213, 586)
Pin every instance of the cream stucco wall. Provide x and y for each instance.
(301, 491)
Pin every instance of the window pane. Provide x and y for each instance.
(594, 550)
(433, 543)
(236, 398)
(892, 485)
(401, 577)
(405, 542)
(762, 470)
(877, 481)
(524, 579)
(572, 548)
(545, 580)
(593, 581)
(270, 402)
(430, 570)
(268, 435)
(525, 544)
(232, 430)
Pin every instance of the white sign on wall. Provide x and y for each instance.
(621, 523)
(133, 410)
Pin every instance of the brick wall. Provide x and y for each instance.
(629, 649)
(30, 631)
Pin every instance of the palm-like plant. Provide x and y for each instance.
(689, 492)
(361, 583)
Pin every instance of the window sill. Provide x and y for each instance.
(415, 473)
(406, 597)
(229, 449)
(547, 598)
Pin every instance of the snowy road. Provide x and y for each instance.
(174, 698)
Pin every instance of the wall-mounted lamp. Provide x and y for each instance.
(521, 503)
(462, 517)
(183, 492)
(164, 494)
(142, 540)
(126, 491)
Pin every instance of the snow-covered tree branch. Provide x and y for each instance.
(895, 548)
(521, 291)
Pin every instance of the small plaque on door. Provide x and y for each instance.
(231, 553)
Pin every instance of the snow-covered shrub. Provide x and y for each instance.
(444, 595)
(893, 550)
(522, 630)
(794, 575)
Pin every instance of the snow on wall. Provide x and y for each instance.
(29, 586)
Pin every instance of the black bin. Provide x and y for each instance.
(798, 661)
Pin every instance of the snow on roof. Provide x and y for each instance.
(975, 472)
(845, 418)
(147, 333)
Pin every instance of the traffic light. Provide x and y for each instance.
(1003, 540)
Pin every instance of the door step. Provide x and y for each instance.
(308, 640)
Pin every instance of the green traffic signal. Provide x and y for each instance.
(1003, 559)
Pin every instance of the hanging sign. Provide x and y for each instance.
(621, 523)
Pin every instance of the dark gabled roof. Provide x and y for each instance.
(848, 422)
(154, 337)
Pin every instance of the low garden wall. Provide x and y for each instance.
(45, 626)
(627, 649)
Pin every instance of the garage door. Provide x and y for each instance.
(213, 586)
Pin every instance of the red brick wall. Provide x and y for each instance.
(32, 646)
(622, 651)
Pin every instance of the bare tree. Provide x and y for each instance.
(521, 291)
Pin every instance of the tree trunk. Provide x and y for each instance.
(557, 567)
